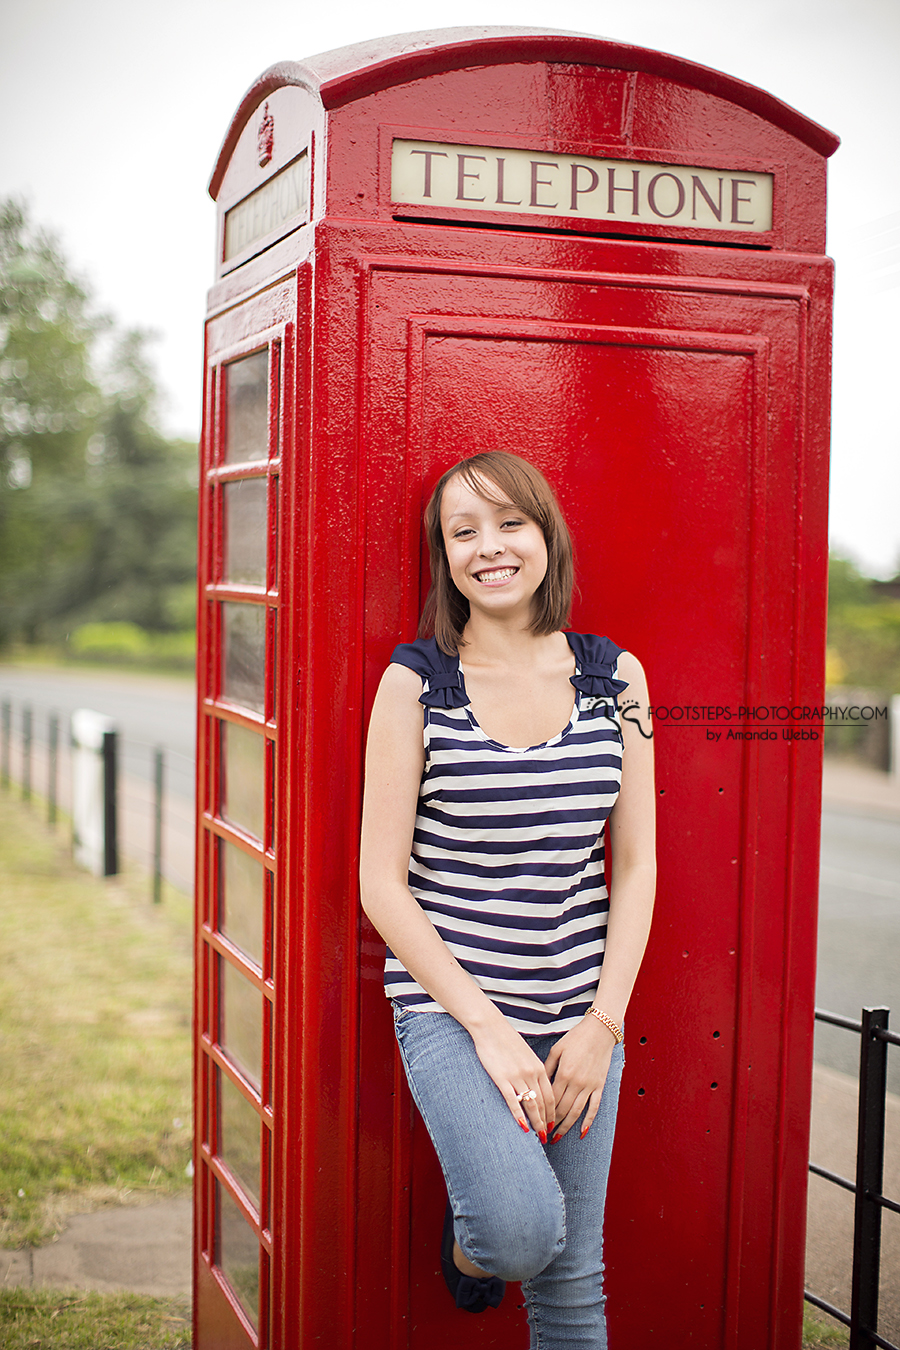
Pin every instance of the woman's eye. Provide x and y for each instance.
(513, 523)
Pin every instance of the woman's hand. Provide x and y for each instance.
(516, 1069)
(578, 1065)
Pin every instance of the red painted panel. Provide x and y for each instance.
(217, 1322)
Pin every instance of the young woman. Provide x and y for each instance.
(496, 755)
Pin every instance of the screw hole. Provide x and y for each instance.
(662, 792)
(640, 1092)
(721, 790)
(713, 1086)
(716, 1035)
(643, 1040)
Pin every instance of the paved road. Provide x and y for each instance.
(859, 931)
(149, 711)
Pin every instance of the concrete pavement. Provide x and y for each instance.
(867, 792)
(145, 1249)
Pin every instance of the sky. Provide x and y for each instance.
(112, 114)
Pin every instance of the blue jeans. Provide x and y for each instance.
(522, 1210)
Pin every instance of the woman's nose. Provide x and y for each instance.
(491, 545)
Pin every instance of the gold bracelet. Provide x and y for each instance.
(607, 1022)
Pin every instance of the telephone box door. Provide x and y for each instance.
(670, 417)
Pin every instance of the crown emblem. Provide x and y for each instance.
(265, 137)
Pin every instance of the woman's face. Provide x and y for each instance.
(496, 553)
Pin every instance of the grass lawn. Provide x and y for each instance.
(45, 1319)
(821, 1332)
(95, 989)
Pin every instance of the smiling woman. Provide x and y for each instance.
(483, 867)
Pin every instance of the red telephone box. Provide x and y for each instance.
(612, 261)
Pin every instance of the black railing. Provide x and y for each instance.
(863, 1316)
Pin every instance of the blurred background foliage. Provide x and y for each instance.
(863, 629)
(97, 507)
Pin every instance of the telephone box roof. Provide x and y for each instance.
(347, 73)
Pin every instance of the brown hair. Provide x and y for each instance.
(446, 611)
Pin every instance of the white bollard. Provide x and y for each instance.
(94, 792)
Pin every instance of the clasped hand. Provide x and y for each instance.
(572, 1078)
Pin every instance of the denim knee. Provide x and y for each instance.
(519, 1234)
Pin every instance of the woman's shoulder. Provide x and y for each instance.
(424, 656)
(606, 668)
(439, 673)
(590, 649)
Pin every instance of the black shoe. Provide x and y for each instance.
(474, 1296)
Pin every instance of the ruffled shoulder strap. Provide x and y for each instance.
(439, 672)
(596, 659)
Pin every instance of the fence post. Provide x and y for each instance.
(5, 737)
(110, 840)
(869, 1179)
(53, 768)
(27, 738)
(157, 823)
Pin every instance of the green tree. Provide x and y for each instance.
(863, 630)
(97, 508)
(49, 401)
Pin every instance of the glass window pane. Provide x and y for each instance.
(276, 558)
(275, 664)
(239, 1127)
(245, 531)
(267, 1148)
(241, 900)
(243, 678)
(243, 777)
(240, 1022)
(247, 405)
(238, 1254)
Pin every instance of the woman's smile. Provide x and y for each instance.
(494, 576)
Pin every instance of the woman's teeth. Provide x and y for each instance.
(501, 574)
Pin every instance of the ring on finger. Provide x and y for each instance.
(528, 1096)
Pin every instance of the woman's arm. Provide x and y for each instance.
(580, 1059)
(394, 764)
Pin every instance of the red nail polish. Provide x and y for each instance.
(585, 1130)
(524, 1124)
(542, 1135)
(558, 1140)
(551, 1127)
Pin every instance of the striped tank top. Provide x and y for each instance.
(508, 854)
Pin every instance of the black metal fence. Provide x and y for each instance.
(154, 804)
(862, 1318)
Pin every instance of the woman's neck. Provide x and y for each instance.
(497, 642)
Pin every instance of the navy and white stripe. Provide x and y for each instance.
(508, 855)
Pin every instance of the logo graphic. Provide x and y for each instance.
(629, 708)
